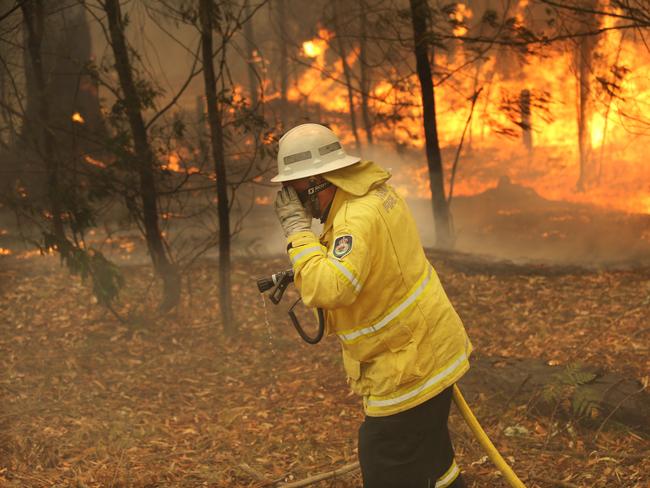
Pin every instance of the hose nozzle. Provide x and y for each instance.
(278, 280)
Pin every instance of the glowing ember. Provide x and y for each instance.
(127, 246)
(94, 162)
(5, 252)
(173, 163)
(76, 117)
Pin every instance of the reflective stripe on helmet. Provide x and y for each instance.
(295, 158)
(335, 146)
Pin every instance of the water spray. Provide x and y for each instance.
(279, 282)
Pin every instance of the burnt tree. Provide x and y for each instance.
(43, 137)
(363, 72)
(207, 14)
(584, 56)
(280, 20)
(421, 38)
(525, 121)
(250, 54)
(143, 160)
(346, 72)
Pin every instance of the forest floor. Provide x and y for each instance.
(89, 401)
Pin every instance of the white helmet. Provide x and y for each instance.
(308, 150)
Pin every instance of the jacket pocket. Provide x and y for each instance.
(352, 367)
(397, 337)
(408, 362)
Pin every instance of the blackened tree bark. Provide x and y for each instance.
(34, 19)
(145, 159)
(250, 54)
(67, 49)
(206, 14)
(346, 74)
(419, 15)
(363, 67)
(584, 54)
(281, 21)
(525, 122)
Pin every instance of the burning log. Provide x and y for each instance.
(593, 396)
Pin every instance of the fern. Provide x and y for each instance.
(571, 383)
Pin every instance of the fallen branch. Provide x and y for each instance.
(322, 476)
(615, 409)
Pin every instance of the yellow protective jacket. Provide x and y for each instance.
(402, 340)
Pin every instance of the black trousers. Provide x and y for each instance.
(411, 449)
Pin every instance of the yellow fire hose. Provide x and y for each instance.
(485, 442)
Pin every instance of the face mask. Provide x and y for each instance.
(309, 197)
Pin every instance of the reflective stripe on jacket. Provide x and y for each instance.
(402, 341)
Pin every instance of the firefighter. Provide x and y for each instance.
(402, 342)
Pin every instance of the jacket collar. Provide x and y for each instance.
(351, 182)
(339, 198)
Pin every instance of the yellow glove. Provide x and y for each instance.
(292, 215)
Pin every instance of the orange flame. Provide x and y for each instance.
(76, 117)
(311, 49)
(617, 142)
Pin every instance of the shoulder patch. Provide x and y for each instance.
(342, 246)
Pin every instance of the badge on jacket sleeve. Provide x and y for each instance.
(342, 246)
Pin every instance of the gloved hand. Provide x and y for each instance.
(292, 215)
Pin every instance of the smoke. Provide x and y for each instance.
(503, 219)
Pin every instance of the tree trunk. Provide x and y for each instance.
(250, 54)
(145, 159)
(346, 75)
(363, 67)
(419, 15)
(34, 18)
(584, 146)
(216, 139)
(65, 37)
(585, 51)
(281, 19)
(526, 127)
